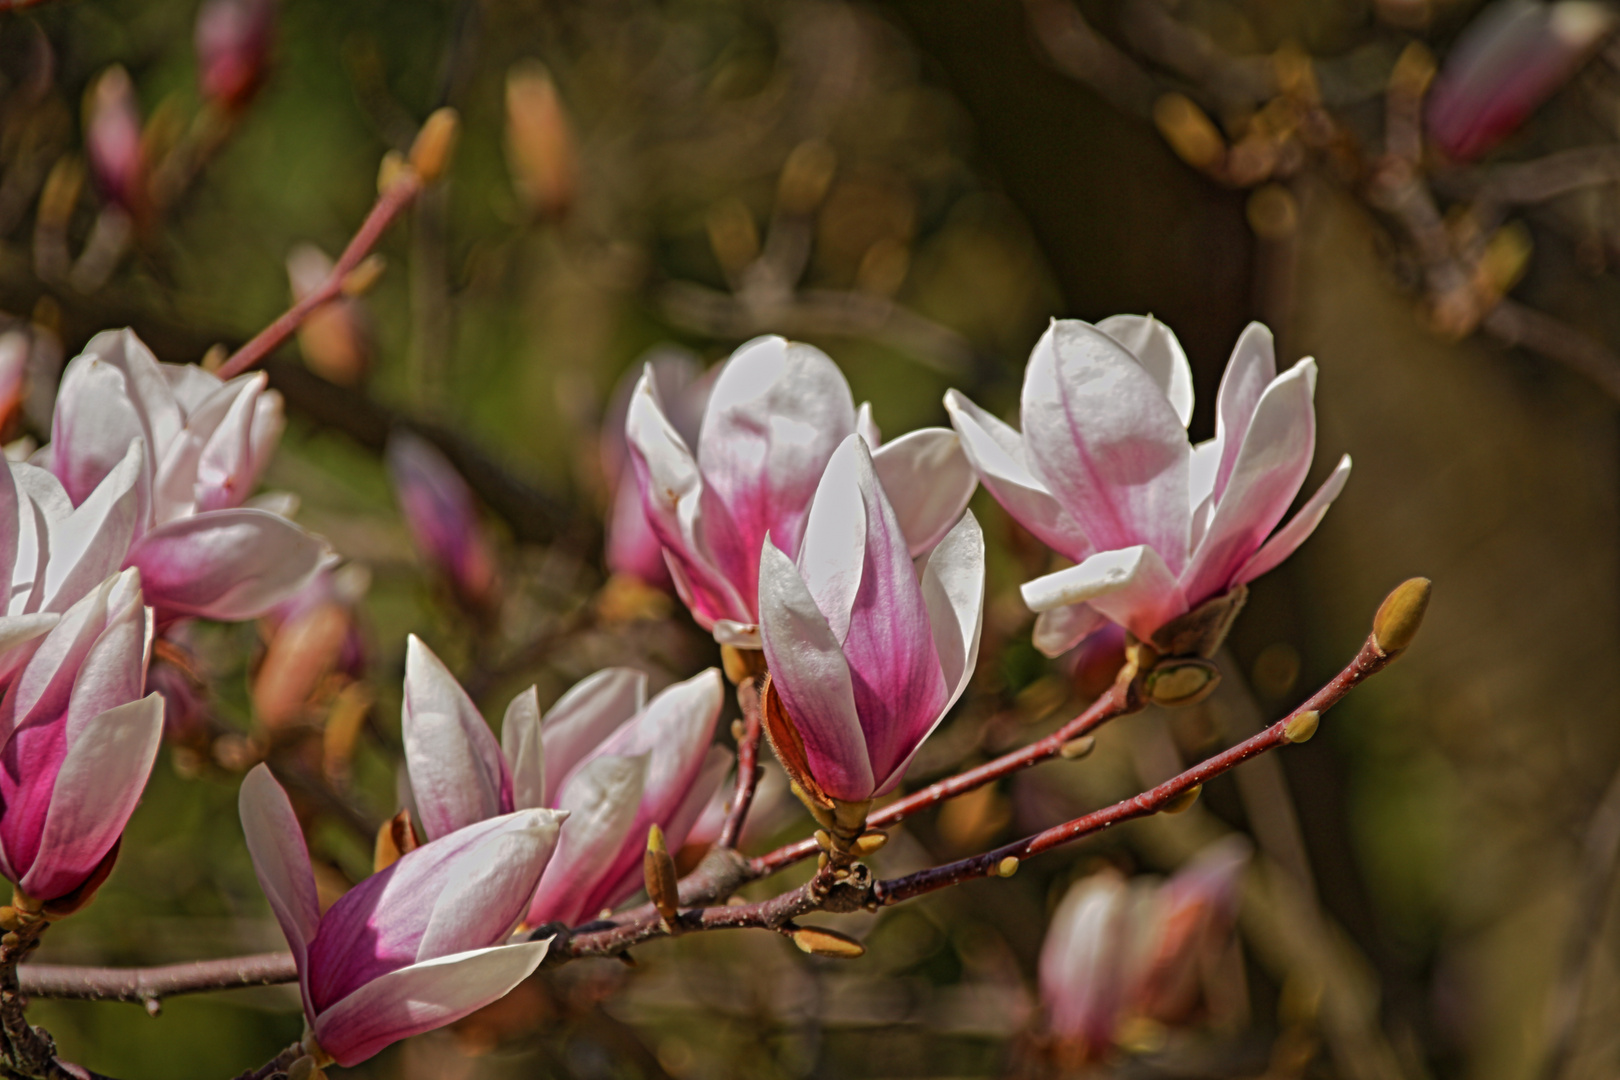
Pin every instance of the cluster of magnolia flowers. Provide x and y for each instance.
(842, 572)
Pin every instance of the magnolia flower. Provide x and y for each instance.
(632, 546)
(618, 763)
(165, 455)
(1104, 475)
(1119, 951)
(442, 519)
(77, 742)
(777, 412)
(416, 945)
(865, 659)
(1510, 59)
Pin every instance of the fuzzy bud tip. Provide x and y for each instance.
(1301, 726)
(435, 143)
(818, 941)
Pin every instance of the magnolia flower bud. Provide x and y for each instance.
(439, 512)
(540, 142)
(1400, 616)
(658, 875)
(113, 140)
(233, 39)
(336, 338)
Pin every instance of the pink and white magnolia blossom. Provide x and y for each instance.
(165, 455)
(616, 762)
(777, 412)
(865, 658)
(682, 388)
(77, 741)
(1103, 473)
(1121, 950)
(413, 947)
(442, 518)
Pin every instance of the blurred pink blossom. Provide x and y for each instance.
(1510, 59)
(442, 518)
(1103, 473)
(777, 412)
(413, 947)
(112, 140)
(865, 658)
(233, 39)
(615, 761)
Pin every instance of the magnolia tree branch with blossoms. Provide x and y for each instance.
(841, 574)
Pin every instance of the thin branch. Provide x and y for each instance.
(995, 863)
(25, 1050)
(144, 985)
(1121, 699)
(748, 768)
(399, 193)
(1515, 324)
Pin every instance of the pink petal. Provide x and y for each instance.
(632, 546)
(457, 770)
(1131, 586)
(584, 718)
(813, 679)
(1082, 960)
(524, 751)
(228, 565)
(94, 540)
(1286, 539)
(997, 454)
(1250, 370)
(928, 480)
(1276, 455)
(1059, 629)
(777, 412)
(281, 861)
(101, 779)
(603, 799)
(226, 467)
(1160, 354)
(462, 891)
(1106, 442)
(422, 997)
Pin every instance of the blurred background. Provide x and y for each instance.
(1423, 194)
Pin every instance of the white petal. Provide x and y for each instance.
(953, 590)
(281, 861)
(455, 766)
(96, 537)
(1132, 586)
(1250, 370)
(1157, 350)
(1286, 539)
(928, 480)
(584, 717)
(1059, 629)
(834, 549)
(603, 799)
(524, 750)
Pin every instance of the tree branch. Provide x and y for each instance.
(151, 984)
(748, 769)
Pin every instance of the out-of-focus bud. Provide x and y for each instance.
(540, 142)
(443, 520)
(313, 636)
(112, 136)
(1400, 615)
(435, 144)
(185, 698)
(1513, 57)
(15, 346)
(806, 175)
(335, 338)
(233, 39)
(1189, 131)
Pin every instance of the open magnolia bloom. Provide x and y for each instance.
(416, 945)
(615, 761)
(1121, 951)
(777, 412)
(1104, 475)
(173, 508)
(77, 742)
(865, 658)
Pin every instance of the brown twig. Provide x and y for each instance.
(25, 1050)
(145, 985)
(399, 193)
(748, 769)
(1368, 661)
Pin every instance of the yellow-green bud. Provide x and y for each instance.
(1183, 802)
(1301, 726)
(819, 941)
(1400, 615)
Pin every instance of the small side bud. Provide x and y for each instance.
(358, 282)
(435, 143)
(1176, 683)
(1007, 867)
(1075, 749)
(9, 919)
(823, 840)
(740, 665)
(1189, 131)
(1183, 802)
(1302, 726)
(396, 837)
(303, 1069)
(1400, 615)
(869, 842)
(391, 171)
(818, 941)
(658, 868)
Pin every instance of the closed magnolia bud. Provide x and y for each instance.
(1183, 802)
(540, 141)
(396, 837)
(819, 941)
(233, 48)
(658, 870)
(1174, 683)
(1189, 131)
(113, 139)
(1301, 726)
(1075, 749)
(435, 143)
(1007, 867)
(1400, 615)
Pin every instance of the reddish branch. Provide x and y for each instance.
(399, 193)
(155, 983)
(748, 769)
